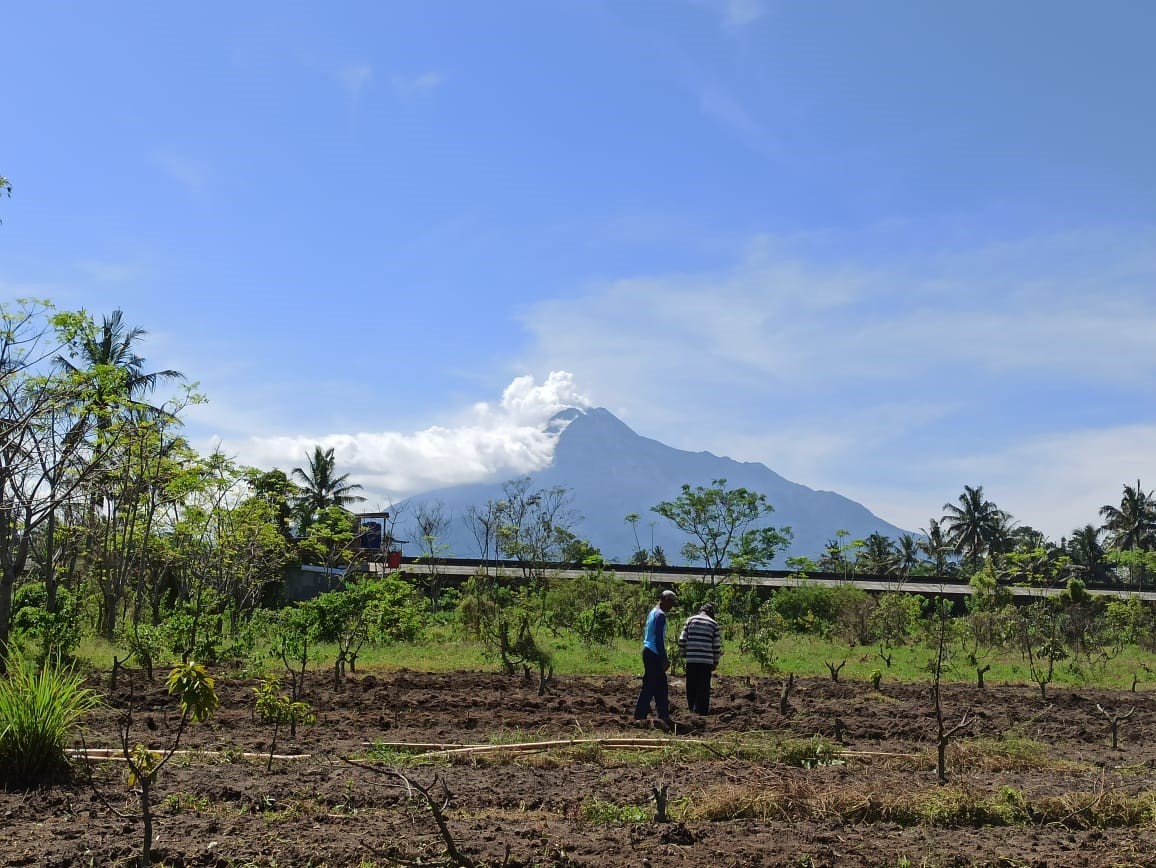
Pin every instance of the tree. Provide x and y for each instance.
(936, 546)
(197, 693)
(483, 524)
(534, 526)
(321, 487)
(878, 557)
(907, 552)
(975, 526)
(431, 521)
(724, 527)
(108, 355)
(1086, 553)
(45, 453)
(1132, 525)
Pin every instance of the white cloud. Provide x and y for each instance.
(109, 272)
(506, 438)
(740, 13)
(893, 384)
(416, 86)
(734, 14)
(187, 172)
(354, 78)
(1056, 483)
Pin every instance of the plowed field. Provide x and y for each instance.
(1032, 780)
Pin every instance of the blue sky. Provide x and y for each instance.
(887, 249)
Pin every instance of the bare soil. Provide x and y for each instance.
(521, 809)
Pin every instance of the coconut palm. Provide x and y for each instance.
(1132, 525)
(1086, 553)
(322, 487)
(907, 551)
(976, 526)
(112, 349)
(936, 546)
(878, 557)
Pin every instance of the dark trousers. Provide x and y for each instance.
(654, 687)
(698, 687)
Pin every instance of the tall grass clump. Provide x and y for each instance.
(38, 707)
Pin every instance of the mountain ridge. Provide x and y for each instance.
(612, 471)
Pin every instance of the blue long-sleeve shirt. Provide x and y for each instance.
(654, 638)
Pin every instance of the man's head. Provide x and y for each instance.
(707, 609)
(666, 600)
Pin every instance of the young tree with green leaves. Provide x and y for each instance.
(197, 692)
(724, 527)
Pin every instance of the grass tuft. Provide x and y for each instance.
(39, 705)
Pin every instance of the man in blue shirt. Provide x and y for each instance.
(655, 664)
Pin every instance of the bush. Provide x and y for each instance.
(817, 608)
(38, 708)
(58, 633)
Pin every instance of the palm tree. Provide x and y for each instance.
(976, 526)
(908, 554)
(321, 487)
(1085, 552)
(1133, 524)
(936, 546)
(113, 349)
(107, 359)
(878, 557)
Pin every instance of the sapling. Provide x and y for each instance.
(280, 710)
(943, 733)
(197, 693)
(1114, 723)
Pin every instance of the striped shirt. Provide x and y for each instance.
(701, 640)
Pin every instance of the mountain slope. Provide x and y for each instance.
(613, 471)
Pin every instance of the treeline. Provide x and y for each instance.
(111, 524)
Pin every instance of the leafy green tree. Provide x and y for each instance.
(1041, 630)
(45, 454)
(279, 492)
(534, 526)
(279, 711)
(907, 553)
(724, 527)
(975, 525)
(197, 692)
(374, 610)
(321, 487)
(329, 539)
(1135, 566)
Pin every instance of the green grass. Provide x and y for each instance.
(445, 650)
(39, 705)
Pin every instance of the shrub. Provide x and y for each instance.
(58, 633)
(38, 708)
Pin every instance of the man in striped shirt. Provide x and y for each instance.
(701, 643)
